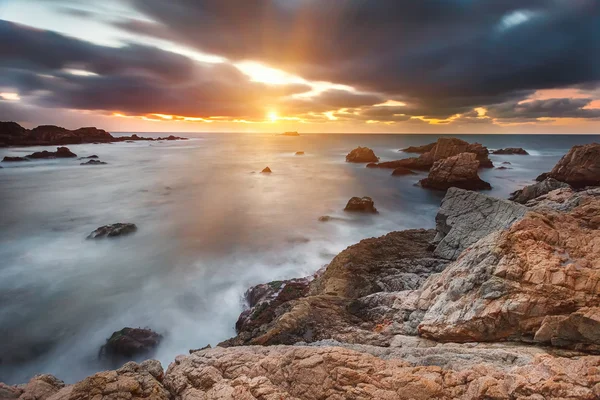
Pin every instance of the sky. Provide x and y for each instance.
(347, 66)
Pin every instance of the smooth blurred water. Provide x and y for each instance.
(210, 225)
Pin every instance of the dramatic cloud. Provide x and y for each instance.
(550, 108)
(479, 51)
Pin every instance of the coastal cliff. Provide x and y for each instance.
(500, 301)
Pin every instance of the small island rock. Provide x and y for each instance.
(358, 204)
(267, 170)
(511, 150)
(362, 155)
(118, 229)
(457, 171)
(130, 342)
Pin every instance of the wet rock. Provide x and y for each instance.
(536, 190)
(130, 342)
(61, 152)
(420, 149)
(580, 167)
(93, 162)
(506, 163)
(465, 217)
(92, 156)
(511, 150)
(502, 168)
(401, 171)
(324, 218)
(456, 171)
(361, 204)
(362, 155)
(267, 170)
(14, 159)
(113, 230)
(299, 153)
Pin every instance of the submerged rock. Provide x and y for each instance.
(92, 156)
(401, 171)
(267, 170)
(456, 171)
(362, 155)
(130, 342)
(118, 229)
(61, 152)
(511, 150)
(536, 190)
(361, 204)
(580, 167)
(93, 162)
(14, 159)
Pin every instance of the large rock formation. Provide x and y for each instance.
(511, 150)
(419, 149)
(580, 167)
(536, 190)
(13, 134)
(129, 343)
(362, 155)
(443, 148)
(465, 217)
(61, 152)
(456, 171)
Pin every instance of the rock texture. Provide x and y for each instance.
(536, 190)
(580, 167)
(466, 217)
(13, 134)
(118, 229)
(93, 162)
(61, 152)
(14, 159)
(266, 170)
(456, 171)
(511, 150)
(361, 204)
(362, 155)
(419, 149)
(443, 148)
(130, 342)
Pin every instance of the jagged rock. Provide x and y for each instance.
(444, 148)
(362, 155)
(540, 278)
(456, 171)
(311, 373)
(118, 229)
(93, 162)
(61, 152)
(419, 149)
(536, 190)
(266, 170)
(299, 153)
(580, 167)
(14, 159)
(565, 199)
(465, 217)
(130, 342)
(511, 150)
(358, 204)
(401, 171)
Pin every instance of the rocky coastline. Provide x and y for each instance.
(13, 134)
(500, 301)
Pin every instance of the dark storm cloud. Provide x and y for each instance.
(550, 108)
(132, 79)
(329, 100)
(471, 52)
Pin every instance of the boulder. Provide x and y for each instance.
(325, 218)
(361, 204)
(580, 167)
(511, 150)
(419, 149)
(362, 155)
(456, 171)
(401, 171)
(267, 170)
(61, 152)
(536, 190)
(130, 342)
(465, 217)
(443, 148)
(113, 230)
(93, 162)
(14, 159)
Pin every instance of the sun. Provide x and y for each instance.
(272, 115)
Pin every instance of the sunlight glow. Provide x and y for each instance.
(10, 96)
(261, 73)
(272, 115)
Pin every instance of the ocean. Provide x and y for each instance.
(210, 225)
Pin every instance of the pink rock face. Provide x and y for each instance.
(456, 171)
(580, 167)
(538, 281)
